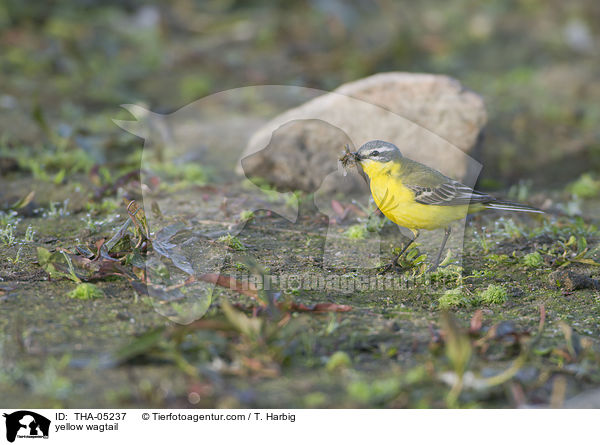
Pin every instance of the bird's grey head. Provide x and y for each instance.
(379, 151)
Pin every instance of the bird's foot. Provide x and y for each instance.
(392, 265)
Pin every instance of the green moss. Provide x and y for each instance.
(240, 266)
(356, 231)
(188, 173)
(533, 260)
(359, 391)
(585, 186)
(494, 294)
(449, 274)
(498, 259)
(450, 298)
(107, 205)
(338, 360)
(315, 400)
(246, 215)
(86, 291)
(374, 391)
(232, 242)
(453, 298)
(43, 163)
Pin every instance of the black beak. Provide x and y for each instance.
(356, 156)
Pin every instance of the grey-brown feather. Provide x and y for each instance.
(449, 194)
(433, 188)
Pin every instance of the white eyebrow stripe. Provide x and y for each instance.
(382, 149)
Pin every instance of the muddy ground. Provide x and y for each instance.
(518, 322)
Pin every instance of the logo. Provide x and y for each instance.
(26, 424)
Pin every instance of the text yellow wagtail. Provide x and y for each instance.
(417, 197)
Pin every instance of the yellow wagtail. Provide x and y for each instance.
(417, 197)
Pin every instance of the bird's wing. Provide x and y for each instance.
(450, 193)
(433, 188)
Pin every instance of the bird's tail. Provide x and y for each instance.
(511, 206)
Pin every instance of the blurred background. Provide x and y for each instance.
(66, 66)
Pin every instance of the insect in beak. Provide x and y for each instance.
(354, 155)
(349, 158)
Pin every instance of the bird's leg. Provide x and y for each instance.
(435, 264)
(404, 249)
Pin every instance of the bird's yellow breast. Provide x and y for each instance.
(397, 202)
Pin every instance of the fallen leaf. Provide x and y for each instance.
(23, 201)
(476, 322)
(339, 209)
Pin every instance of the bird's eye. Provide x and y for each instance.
(375, 153)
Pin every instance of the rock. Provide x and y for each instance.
(432, 119)
(296, 148)
(570, 281)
